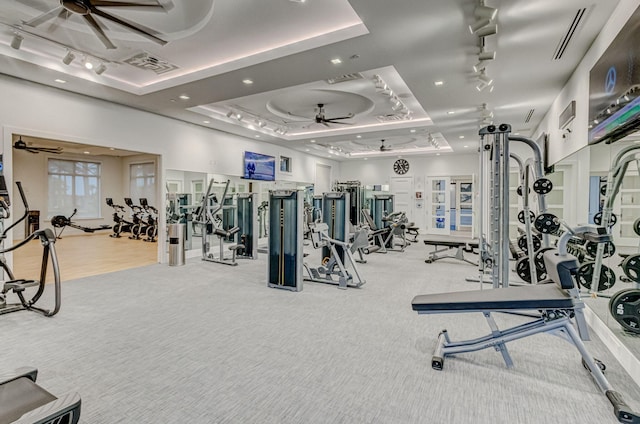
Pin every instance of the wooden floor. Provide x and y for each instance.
(85, 255)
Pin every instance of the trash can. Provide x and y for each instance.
(32, 224)
(176, 244)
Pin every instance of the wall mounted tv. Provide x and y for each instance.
(259, 167)
(614, 87)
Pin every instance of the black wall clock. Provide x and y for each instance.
(401, 166)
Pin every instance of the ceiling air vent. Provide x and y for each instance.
(345, 78)
(573, 28)
(529, 115)
(148, 62)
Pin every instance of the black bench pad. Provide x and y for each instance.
(452, 242)
(543, 296)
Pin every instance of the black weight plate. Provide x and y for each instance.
(585, 274)
(522, 269)
(532, 216)
(631, 267)
(592, 249)
(546, 223)
(636, 226)
(522, 243)
(539, 258)
(542, 186)
(597, 219)
(519, 190)
(625, 308)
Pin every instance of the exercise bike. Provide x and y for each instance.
(121, 224)
(151, 229)
(61, 221)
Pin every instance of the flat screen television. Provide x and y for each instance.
(614, 87)
(259, 167)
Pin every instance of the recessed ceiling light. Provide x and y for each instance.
(247, 81)
(312, 141)
(184, 97)
(257, 135)
(461, 137)
(88, 65)
(358, 136)
(306, 150)
(466, 147)
(451, 112)
(412, 131)
(207, 122)
(437, 154)
(438, 83)
(366, 158)
(86, 153)
(60, 81)
(112, 148)
(336, 61)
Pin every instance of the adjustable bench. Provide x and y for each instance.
(445, 244)
(22, 401)
(558, 306)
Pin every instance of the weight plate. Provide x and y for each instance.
(585, 275)
(631, 267)
(519, 190)
(522, 243)
(592, 249)
(625, 308)
(542, 186)
(532, 216)
(523, 270)
(636, 226)
(539, 258)
(597, 219)
(546, 223)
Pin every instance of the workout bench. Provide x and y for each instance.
(443, 245)
(557, 305)
(24, 402)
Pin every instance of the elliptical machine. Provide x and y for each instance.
(20, 286)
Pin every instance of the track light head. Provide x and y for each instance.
(485, 79)
(16, 41)
(486, 55)
(100, 69)
(486, 12)
(68, 58)
(478, 67)
(478, 25)
(487, 30)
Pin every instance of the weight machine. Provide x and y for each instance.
(247, 237)
(209, 226)
(284, 265)
(355, 192)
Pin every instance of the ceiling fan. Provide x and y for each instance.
(322, 119)
(21, 145)
(384, 147)
(89, 9)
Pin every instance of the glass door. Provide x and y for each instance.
(438, 206)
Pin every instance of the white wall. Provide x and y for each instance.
(41, 111)
(577, 88)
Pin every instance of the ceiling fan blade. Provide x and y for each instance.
(145, 32)
(97, 29)
(55, 150)
(157, 7)
(325, 124)
(63, 15)
(38, 20)
(340, 123)
(35, 152)
(340, 117)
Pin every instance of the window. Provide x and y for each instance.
(285, 164)
(74, 185)
(142, 182)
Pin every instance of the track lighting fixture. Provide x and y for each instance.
(229, 114)
(478, 25)
(485, 79)
(487, 30)
(479, 66)
(68, 58)
(486, 55)
(16, 41)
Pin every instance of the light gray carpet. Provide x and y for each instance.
(207, 343)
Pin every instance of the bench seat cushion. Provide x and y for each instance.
(541, 296)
